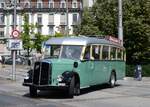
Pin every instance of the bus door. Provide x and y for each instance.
(89, 66)
(97, 71)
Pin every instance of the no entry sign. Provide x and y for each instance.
(15, 33)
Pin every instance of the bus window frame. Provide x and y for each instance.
(83, 53)
(99, 46)
(108, 57)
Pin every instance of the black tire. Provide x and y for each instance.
(71, 88)
(77, 89)
(33, 91)
(112, 81)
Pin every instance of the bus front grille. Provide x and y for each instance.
(42, 73)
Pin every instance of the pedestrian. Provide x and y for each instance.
(38, 56)
(138, 72)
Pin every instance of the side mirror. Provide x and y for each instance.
(75, 65)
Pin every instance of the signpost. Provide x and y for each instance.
(14, 44)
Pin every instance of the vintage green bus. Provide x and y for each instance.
(73, 63)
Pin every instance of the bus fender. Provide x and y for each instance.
(67, 76)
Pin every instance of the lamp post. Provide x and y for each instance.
(14, 51)
(120, 28)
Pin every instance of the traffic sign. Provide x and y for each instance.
(15, 33)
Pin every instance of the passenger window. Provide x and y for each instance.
(113, 53)
(96, 52)
(105, 51)
(87, 53)
(119, 54)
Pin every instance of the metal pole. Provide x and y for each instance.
(14, 51)
(120, 28)
(67, 17)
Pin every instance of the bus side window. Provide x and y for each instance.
(113, 53)
(87, 53)
(96, 52)
(119, 54)
(105, 53)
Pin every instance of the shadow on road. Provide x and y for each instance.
(61, 94)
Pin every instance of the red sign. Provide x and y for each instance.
(15, 34)
(113, 39)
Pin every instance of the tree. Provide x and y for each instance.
(137, 30)
(28, 30)
(87, 26)
(31, 39)
(38, 40)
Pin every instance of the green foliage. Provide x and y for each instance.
(58, 34)
(137, 30)
(39, 39)
(87, 26)
(26, 35)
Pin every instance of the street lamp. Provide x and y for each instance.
(120, 28)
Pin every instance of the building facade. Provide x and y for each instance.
(88, 3)
(52, 16)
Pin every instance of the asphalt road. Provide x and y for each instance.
(128, 93)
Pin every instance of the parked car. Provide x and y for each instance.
(19, 61)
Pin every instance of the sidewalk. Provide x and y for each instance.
(6, 72)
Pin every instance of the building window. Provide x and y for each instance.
(51, 19)
(2, 5)
(51, 4)
(74, 4)
(39, 19)
(63, 29)
(63, 19)
(2, 18)
(1, 33)
(27, 5)
(39, 4)
(63, 4)
(75, 19)
(51, 30)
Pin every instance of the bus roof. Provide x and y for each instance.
(79, 41)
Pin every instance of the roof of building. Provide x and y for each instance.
(83, 40)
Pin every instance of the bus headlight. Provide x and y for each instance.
(26, 76)
(59, 78)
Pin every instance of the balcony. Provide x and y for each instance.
(2, 24)
(44, 7)
(51, 24)
(63, 23)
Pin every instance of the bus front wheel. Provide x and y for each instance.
(33, 91)
(71, 88)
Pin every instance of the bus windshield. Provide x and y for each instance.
(71, 52)
(64, 51)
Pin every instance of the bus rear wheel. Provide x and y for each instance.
(112, 81)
